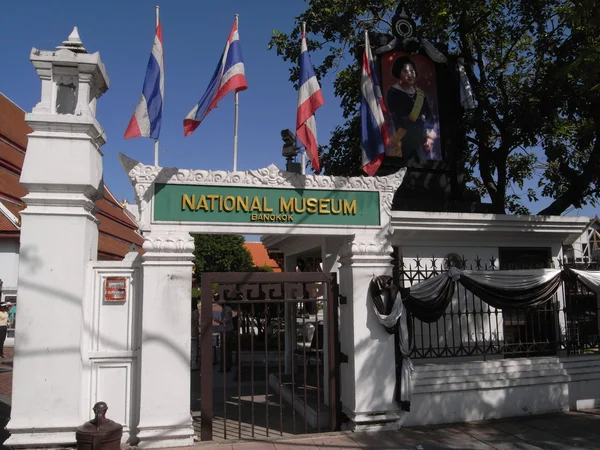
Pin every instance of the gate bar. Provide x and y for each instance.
(231, 278)
(206, 362)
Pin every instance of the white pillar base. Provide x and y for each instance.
(28, 438)
(373, 421)
(49, 437)
(169, 436)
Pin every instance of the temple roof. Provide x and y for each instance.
(260, 256)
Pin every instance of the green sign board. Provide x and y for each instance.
(235, 204)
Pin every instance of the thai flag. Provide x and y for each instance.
(310, 99)
(147, 117)
(228, 77)
(375, 137)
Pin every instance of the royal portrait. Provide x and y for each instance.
(410, 92)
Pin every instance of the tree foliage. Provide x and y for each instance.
(534, 68)
(227, 253)
(221, 253)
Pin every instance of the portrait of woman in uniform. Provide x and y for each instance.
(410, 93)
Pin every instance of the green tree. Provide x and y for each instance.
(533, 66)
(221, 253)
(227, 253)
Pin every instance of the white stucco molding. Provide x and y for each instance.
(170, 249)
(61, 203)
(370, 249)
(143, 177)
(53, 66)
(66, 126)
(437, 227)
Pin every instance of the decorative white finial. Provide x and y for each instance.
(74, 36)
(73, 43)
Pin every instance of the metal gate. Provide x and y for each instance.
(269, 355)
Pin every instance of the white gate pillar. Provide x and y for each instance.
(62, 172)
(368, 379)
(165, 419)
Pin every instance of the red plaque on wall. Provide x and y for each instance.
(115, 289)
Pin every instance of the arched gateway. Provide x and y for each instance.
(119, 332)
(308, 212)
(335, 217)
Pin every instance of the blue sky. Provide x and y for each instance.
(194, 34)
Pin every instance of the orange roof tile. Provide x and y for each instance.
(10, 186)
(111, 227)
(7, 228)
(110, 248)
(260, 256)
(13, 126)
(13, 208)
(11, 155)
(109, 206)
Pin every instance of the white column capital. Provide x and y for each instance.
(367, 249)
(169, 249)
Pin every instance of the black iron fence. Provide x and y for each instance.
(567, 324)
(581, 319)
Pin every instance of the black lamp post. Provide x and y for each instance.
(290, 151)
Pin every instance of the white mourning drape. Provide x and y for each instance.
(590, 278)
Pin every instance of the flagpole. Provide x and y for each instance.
(235, 118)
(303, 156)
(156, 140)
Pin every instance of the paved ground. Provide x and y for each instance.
(264, 412)
(570, 431)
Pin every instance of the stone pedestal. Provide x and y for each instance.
(368, 379)
(165, 419)
(59, 237)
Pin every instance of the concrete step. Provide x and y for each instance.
(482, 369)
(580, 361)
(488, 364)
(443, 386)
(488, 377)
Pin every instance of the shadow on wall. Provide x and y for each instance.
(61, 298)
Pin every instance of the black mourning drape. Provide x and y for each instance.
(390, 311)
(505, 289)
(429, 299)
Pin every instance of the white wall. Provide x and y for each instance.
(461, 392)
(9, 265)
(111, 343)
(468, 391)
(584, 381)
